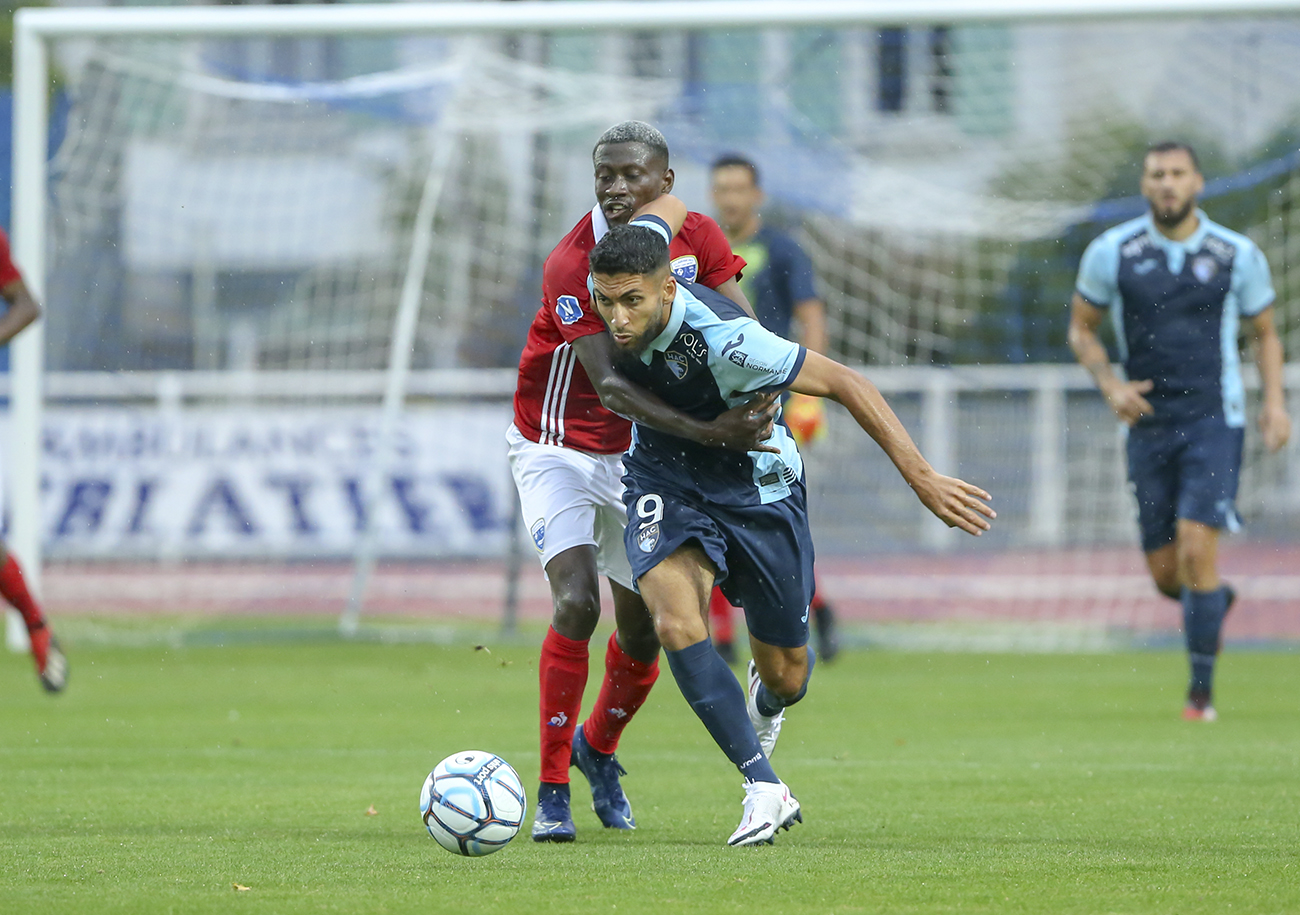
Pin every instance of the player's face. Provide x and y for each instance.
(634, 306)
(1171, 184)
(628, 176)
(735, 196)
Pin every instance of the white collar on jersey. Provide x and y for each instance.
(675, 318)
(599, 224)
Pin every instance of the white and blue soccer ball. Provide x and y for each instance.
(473, 803)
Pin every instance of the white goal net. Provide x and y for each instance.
(238, 220)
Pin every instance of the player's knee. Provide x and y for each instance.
(1168, 583)
(639, 640)
(786, 679)
(1195, 562)
(576, 611)
(676, 632)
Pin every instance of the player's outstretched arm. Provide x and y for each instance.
(1124, 397)
(22, 310)
(955, 502)
(743, 428)
(1274, 422)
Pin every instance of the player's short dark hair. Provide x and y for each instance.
(1165, 146)
(735, 160)
(634, 132)
(629, 249)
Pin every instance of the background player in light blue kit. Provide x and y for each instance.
(697, 515)
(1176, 286)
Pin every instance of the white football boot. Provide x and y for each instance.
(768, 808)
(768, 729)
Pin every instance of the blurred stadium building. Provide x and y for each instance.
(233, 221)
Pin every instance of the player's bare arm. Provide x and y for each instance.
(668, 208)
(1124, 397)
(1274, 421)
(810, 314)
(743, 428)
(955, 502)
(21, 312)
(731, 289)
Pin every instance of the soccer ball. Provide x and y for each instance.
(473, 803)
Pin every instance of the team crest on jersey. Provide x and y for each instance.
(685, 268)
(568, 309)
(538, 532)
(648, 538)
(676, 364)
(1204, 267)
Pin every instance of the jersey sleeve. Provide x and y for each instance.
(1098, 280)
(566, 299)
(751, 359)
(1253, 282)
(717, 262)
(9, 273)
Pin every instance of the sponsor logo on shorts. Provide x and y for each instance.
(676, 364)
(648, 538)
(685, 268)
(568, 309)
(538, 532)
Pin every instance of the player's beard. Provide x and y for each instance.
(631, 353)
(1170, 218)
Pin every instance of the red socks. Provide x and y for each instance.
(14, 589)
(624, 690)
(720, 617)
(562, 675)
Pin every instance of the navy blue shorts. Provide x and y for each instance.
(763, 553)
(1184, 470)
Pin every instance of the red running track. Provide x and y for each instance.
(1105, 589)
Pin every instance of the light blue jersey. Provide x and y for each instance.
(1176, 307)
(710, 357)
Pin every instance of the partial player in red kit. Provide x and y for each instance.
(566, 443)
(51, 666)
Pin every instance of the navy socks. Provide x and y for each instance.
(1203, 613)
(711, 690)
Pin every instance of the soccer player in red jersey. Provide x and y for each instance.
(51, 666)
(571, 427)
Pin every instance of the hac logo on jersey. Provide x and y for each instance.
(568, 309)
(685, 268)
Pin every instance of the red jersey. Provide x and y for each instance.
(8, 272)
(555, 403)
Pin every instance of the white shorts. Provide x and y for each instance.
(571, 498)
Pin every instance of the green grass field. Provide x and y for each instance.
(168, 778)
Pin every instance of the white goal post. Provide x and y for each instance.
(35, 29)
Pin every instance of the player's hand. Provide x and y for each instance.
(955, 502)
(746, 427)
(1275, 425)
(806, 417)
(1125, 398)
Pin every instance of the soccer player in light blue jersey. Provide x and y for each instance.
(1176, 286)
(699, 515)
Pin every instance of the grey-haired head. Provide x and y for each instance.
(634, 132)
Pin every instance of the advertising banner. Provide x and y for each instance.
(275, 483)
